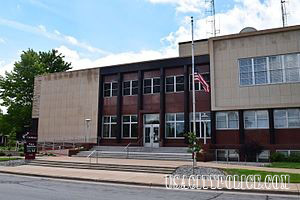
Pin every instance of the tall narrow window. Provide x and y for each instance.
(276, 70)
(107, 89)
(156, 85)
(246, 71)
(126, 88)
(170, 84)
(202, 123)
(260, 70)
(147, 86)
(179, 83)
(291, 65)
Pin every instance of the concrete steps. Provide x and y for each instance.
(109, 167)
(162, 153)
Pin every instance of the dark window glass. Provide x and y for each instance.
(126, 91)
(113, 130)
(133, 118)
(113, 119)
(107, 88)
(107, 93)
(114, 89)
(147, 86)
(156, 89)
(105, 130)
(126, 118)
(156, 81)
(126, 130)
(179, 129)
(106, 119)
(170, 129)
(147, 82)
(134, 87)
(134, 130)
(179, 83)
(134, 91)
(126, 84)
(170, 84)
(147, 90)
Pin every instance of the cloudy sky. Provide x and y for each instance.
(94, 33)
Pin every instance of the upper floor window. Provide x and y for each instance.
(198, 85)
(227, 120)
(270, 69)
(174, 125)
(202, 123)
(151, 85)
(287, 118)
(109, 126)
(110, 89)
(130, 126)
(256, 119)
(175, 83)
(130, 88)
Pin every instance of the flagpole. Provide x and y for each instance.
(193, 87)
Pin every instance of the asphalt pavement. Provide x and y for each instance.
(13, 187)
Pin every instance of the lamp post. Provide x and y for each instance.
(87, 121)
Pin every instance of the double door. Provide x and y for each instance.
(151, 135)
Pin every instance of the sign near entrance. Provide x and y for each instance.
(30, 146)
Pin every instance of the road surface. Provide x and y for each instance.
(33, 188)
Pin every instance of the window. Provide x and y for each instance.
(175, 84)
(109, 126)
(110, 89)
(256, 119)
(198, 85)
(246, 77)
(276, 70)
(151, 85)
(129, 126)
(227, 120)
(174, 125)
(202, 122)
(260, 70)
(130, 88)
(287, 118)
(270, 69)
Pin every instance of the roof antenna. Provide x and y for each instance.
(211, 17)
(283, 13)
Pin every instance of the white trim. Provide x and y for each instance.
(175, 125)
(109, 128)
(130, 123)
(227, 121)
(255, 120)
(151, 85)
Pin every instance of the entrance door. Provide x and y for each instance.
(151, 135)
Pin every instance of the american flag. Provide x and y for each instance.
(199, 77)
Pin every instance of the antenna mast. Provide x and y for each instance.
(283, 13)
(211, 17)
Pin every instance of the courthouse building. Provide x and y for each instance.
(254, 78)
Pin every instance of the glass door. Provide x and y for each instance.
(151, 135)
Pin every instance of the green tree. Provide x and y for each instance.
(16, 87)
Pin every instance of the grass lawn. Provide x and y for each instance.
(294, 178)
(292, 165)
(7, 159)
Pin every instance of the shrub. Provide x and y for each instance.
(293, 158)
(2, 153)
(278, 157)
(21, 154)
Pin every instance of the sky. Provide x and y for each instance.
(95, 33)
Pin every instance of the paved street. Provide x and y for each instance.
(30, 188)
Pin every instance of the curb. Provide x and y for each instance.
(297, 193)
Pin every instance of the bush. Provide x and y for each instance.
(21, 154)
(278, 157)
(2, 153)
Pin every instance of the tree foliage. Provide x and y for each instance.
(16, 87)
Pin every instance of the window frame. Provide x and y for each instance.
(283, 69)
(255, 120)
(227, 121)
(174, 83)
(286, 117)
(130, 88)
(110, 123)
(152, 85)
(130, 123)
(175, 125)
(110, 89)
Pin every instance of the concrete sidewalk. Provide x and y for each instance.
(163, 163)
(134, 178)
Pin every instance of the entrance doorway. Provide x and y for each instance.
(151, 130)
(151, 135)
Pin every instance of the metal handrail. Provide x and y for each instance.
(90, 156)
(128, 145)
